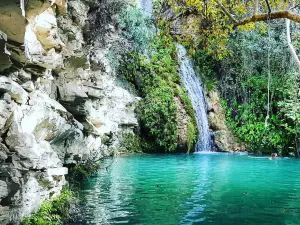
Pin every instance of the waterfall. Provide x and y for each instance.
(194, 88)
(146, 6)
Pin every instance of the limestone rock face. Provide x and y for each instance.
(57, 101)
(224, 140)
(16, 92)
(12, 19)
(73, 98)
(4, 54)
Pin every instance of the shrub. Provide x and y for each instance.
(158, 116)
(130, 143)
(53, 212)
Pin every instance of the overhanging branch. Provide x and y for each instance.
(226, 12)
(273, 15)
(285, 14)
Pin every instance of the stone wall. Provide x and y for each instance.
(58, 99)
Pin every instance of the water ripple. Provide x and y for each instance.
(194, 189)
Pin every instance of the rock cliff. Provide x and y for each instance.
(58, 98)
(223, 138)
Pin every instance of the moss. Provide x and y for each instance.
(192, 137)
(54, 212)
(190, 111)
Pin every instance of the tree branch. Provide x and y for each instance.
(291, 47)
(226, 12)
(273, 15)
(269, 8)
(256, 7)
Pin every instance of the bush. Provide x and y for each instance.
(81, 172)
(130, 143)
(136, 32)
(158, 116)
(54, 212)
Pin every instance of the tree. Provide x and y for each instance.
(213, 20)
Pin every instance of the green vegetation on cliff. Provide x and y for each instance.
(150, 66)
(54, 212)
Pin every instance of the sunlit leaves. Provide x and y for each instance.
(206, 24)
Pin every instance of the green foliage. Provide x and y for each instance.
(136, 28)
(136, 31)
(192, 136)
(53, 212)
(80, 172)
(210, 24)
(248, 119)
(193, 130)
(158, 115)
(130, 143)
(150, 65)
(242, 81)
(158, 82)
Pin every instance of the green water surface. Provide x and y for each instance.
(194, 189)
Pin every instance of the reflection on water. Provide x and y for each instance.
(194, 189)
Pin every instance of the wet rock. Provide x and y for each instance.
(182, 126)
(224, 139)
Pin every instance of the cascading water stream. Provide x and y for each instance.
(194, 88)
(192, 84)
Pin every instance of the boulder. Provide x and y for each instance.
(37, 55)
(3, 189)
(3, 153)
(73, 98)
(28, 86)
(45, 29)
(20, 76)
(16, 92)
(94, 91)
(4, 215)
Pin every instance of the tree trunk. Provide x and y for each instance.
(291, 47)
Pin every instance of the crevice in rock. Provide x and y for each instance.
(4, 136)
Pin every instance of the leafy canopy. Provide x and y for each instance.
(210, 22)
